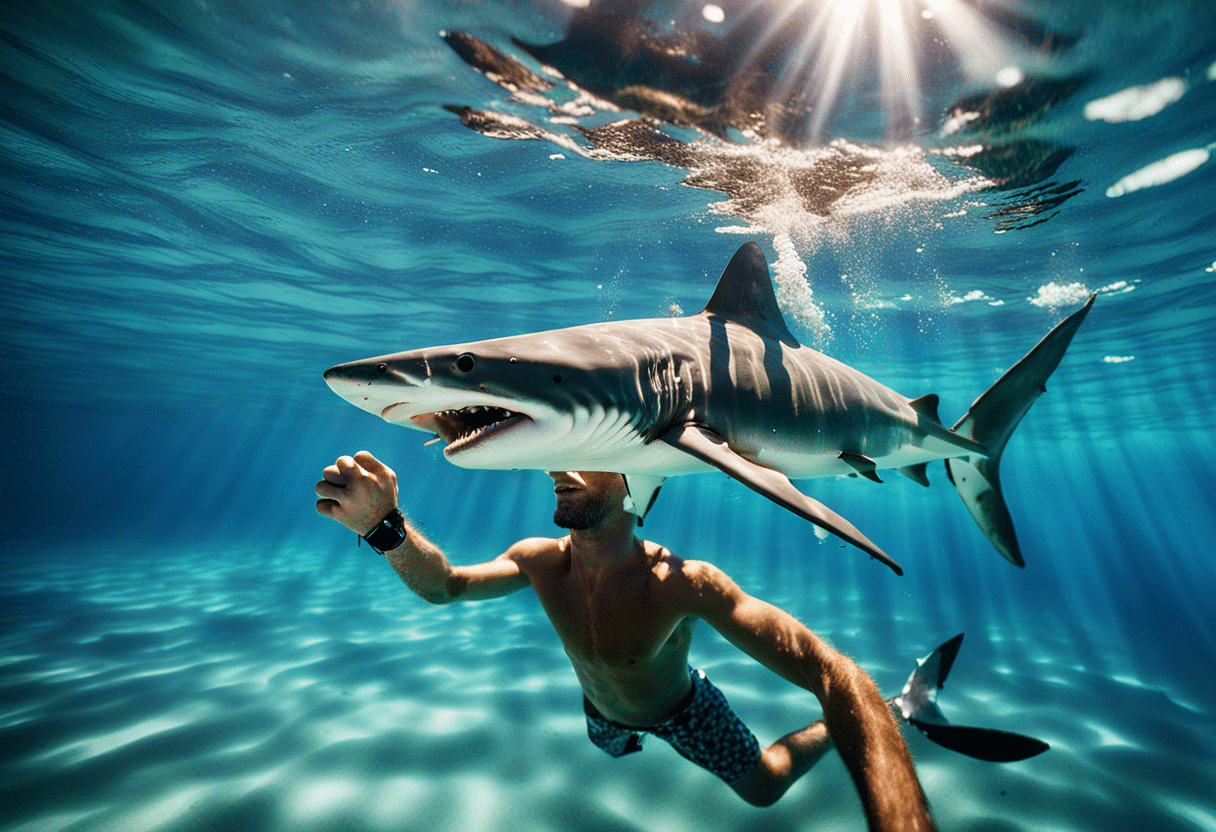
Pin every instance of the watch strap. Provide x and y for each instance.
(389, 533)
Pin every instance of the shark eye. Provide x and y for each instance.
(381, 368)
(466, 362)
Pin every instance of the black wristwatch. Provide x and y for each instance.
(389, 533)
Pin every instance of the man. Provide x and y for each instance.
(624, 609)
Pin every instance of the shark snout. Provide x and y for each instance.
(379, 372)
(376, 384)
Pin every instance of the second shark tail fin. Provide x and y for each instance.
(991, 421)
(917, 703)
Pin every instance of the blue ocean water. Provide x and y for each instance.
(204, 205)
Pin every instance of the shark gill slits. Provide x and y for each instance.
(466, 362)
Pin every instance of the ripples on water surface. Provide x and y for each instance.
(204, 205)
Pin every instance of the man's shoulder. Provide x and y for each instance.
(695, 576)
(536, 548)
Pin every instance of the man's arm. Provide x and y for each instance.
(360, 491)
(858, 720)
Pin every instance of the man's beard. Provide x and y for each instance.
(583, 516)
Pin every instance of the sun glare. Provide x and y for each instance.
(878, 38)
(982, 53)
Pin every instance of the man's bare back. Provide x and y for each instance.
(624, 610)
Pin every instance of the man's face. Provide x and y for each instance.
(585, 498)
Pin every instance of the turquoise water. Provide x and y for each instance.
(205, 205)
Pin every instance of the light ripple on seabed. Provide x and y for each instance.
(228, 690)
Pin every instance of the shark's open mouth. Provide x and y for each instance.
(469, 426)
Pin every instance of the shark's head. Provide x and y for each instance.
(531, 401)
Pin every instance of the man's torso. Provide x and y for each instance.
(626, 637)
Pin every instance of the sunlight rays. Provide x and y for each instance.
(981, 51)
(820, 48)
(900, 81)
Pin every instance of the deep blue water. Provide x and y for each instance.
(204, 205)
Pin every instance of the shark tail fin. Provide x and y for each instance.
(991, 420)
(917, 703)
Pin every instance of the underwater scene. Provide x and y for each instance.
(206, 204)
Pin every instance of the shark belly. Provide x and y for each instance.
(802, 466)
(662, 460)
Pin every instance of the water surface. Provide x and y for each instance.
(203, 206)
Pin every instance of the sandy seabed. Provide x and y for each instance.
(232, 689)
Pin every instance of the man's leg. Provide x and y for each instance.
(709, 733)
(782, 763)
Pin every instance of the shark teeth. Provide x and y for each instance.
(468, 426)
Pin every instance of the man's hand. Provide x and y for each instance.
(357, 491)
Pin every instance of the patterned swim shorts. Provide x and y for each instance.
(704, 730)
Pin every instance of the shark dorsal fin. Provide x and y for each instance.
(745, 295)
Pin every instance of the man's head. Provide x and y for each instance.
(585, 499)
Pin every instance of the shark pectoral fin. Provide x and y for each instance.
(704, 444)
(917, 473)
(860, 463)
(978, 483)
(982, 743)
(643, 489)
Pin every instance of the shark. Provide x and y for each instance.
(728, 389)
(917, 703)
